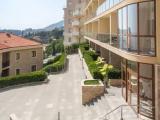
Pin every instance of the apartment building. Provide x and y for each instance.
(127, 34)
(19, 55)
(73, 18)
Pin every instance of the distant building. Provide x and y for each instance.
(19, 55)
(73, 18)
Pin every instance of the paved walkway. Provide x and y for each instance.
(62, 94)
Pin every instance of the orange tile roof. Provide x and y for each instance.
(11, 41)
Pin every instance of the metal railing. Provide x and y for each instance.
(121, 112)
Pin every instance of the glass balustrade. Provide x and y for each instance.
(107, 5)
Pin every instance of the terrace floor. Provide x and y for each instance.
(60, 99)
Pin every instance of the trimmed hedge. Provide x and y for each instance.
(52, 60)
(93, 55)
(72, 48)
(90, 59)
(23, 78)
(114, 74)
(56, 66)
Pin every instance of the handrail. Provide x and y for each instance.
(117, 109)
(121, 106)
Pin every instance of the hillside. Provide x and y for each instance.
(59, 25)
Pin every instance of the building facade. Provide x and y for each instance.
(73, 18)
(19, 55)
(127, 34)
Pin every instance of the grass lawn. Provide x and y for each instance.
(91, 82)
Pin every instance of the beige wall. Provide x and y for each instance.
(0, 64)
(105, 54)
(115, 60)
(26, 60)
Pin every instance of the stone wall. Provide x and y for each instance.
(26, 60)
(89, 92)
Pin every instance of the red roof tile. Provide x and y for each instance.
(11, 41)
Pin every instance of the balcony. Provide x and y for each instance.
(75, 23)
(75, 33)
(5, 59)
(77, 13)
(5, 64)
(106, 5)
(67, 34)
(131, 45)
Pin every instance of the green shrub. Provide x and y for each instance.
(75, 46)
(114, 74)
(23, 78)
(56, 66)
(93, 55)
(86, 47)
(97, 74)
(51, 61)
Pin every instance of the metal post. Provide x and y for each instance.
(121, 113)
(58, 115)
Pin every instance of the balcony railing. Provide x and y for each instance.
(75, 33)
(129, 45)
(5, 64)
(104, 37)
(75, 23)
(106, 5)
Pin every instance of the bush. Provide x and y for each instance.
(56, 66)
(93, 55)
(114, 74)
(97, 74)
(53, 60)
(75, 46)
(86, 47)
(23, 78)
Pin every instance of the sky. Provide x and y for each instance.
(22, 14)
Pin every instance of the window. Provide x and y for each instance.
(17, 56)
(69, 40)
(33, 53)
(146, 18)
(34, 68)
(132, 19)
(17, 71)
(134, 37)
(5, 73)
(146, 89)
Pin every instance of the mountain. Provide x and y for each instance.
(59, 25)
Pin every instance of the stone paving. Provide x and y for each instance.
(60, 99)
